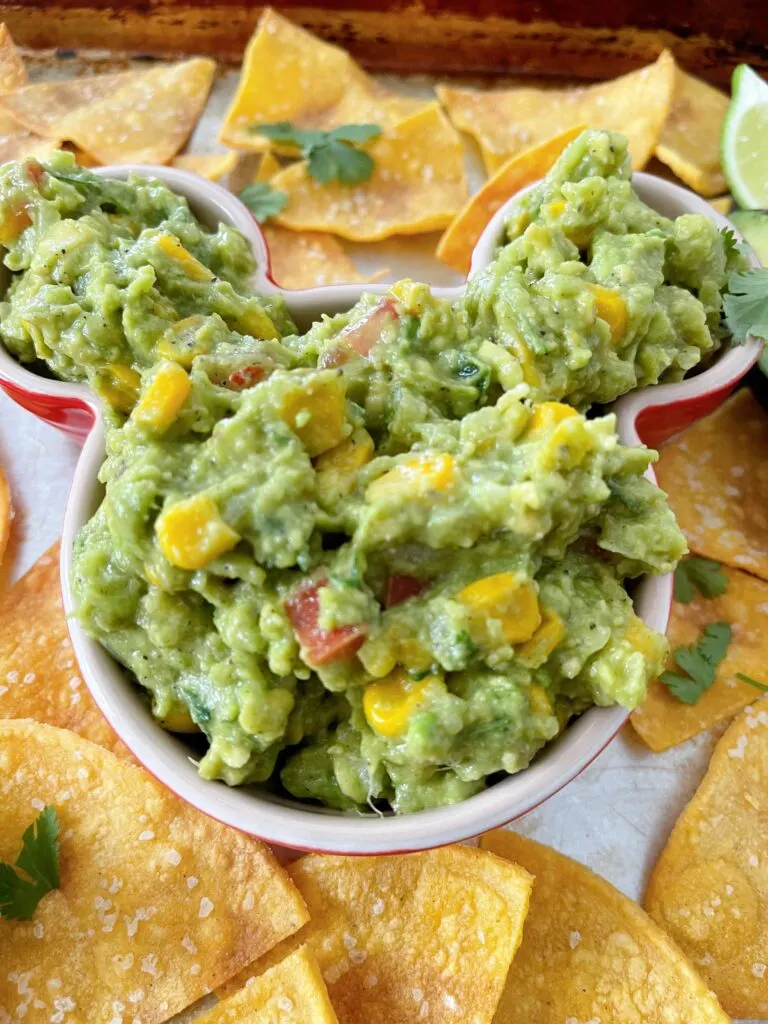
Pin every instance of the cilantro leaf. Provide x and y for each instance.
(263, 200)
(746, 305)
(39, 859)
(700, 661)
(731, 244)
(752, 682)
(702, 574)
(95, 189)
(331, 155)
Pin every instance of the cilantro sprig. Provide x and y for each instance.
(263, 200)
(699, 662)
(746, 304)
(330, 156)
(702, 574)
(38, 863)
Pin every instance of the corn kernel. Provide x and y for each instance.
(546, 416)
(161, 403)
(612, 308)
(417, 475)
(317, 414)
(411, 295)
(525, 357)
(389, 703)
(643, 639)
(258, 324)
(506, 598)
(349, 456)
(181, 342)
(555, 209)
(184, 259)
(539, 701)
(546, 638)
(178, 719)
(192, 533)
(119, 385)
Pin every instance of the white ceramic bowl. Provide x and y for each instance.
(650, 415)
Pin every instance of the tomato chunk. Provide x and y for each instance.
(246, 377)
(321, 646)
(400, 587)
(35, 170)
(362, 336)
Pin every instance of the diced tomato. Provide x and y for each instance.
(35, 170)
(321, 646)
(400, 587)
(246, 377)
(362, 336)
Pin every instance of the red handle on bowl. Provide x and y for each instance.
(74, 416)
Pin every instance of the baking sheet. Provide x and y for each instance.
(616, 816)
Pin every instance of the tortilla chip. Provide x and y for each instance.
(13, 74)
(591, 954)
(663, 720)
(6, 516)
(208, 165)
(690, 139)
(426, 936)
(290, 75)
(268, 167)
(15, 142)
(38, 674)
(506, 121)
(158, 903)
(456, 246)
(709, 889)
(418, 184)
(723, 204)
(716, 476)
(139, 117)
(291, 992)
(308, 259)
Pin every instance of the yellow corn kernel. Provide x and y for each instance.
(349, 456)
(539, 701)
(555, 209)
(317, 414)
(389, 703)
(161, 403)
(184, 259)
(178, 719)
(411, 295)
(546, 638)
(525, 357)
(417, 475)
(506, 598)
(181, 342)
(642, 638)
(546, 416)
(612, 308)
(192, 533)
(258, 324)
(119, 385)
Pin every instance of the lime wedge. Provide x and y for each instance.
(744, 139)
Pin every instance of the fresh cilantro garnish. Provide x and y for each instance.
(330, 156)
(699, 661)
(731, 243)
(752, 682)
(746, 305)
(263, 200)
(702, 574)
(99, 191)
(39, 860)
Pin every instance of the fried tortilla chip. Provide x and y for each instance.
(590, 954)
(15, 142)
(418, 184)
(208, 165)
(268, 167)
(290, 75)
(158, 903)
(141, 117)
(456, 245)
(716, 476)
(418, 937)
(690, 139)
(709, 889)
(38, 673)
(13, 74)
(663, 720)
(506, 121)
(291, 992)
(723, 204)
(308, 259)
(6, 516)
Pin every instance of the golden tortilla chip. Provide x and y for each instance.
(591, 954)
(141, 117)
(418, 184)
(723, 204)
(15, 142)
(716, 476)
(308, 259)
(290, 75)
(208, 165)
(690, 139)
(158, 903)
(6, 516)
(709, 889)
(417, 937)
(38, 673)
(291, 992)
(13, 74)
(663, 720)
(456, 245)
(506, 121)
(268, 167)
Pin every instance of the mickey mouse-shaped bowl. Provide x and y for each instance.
(647, 416)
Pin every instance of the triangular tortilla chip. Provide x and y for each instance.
(591, 955)
(709, 889)
(456, 245)
(418, 184)
(716, 479)
(15, 142)
(268, 167)
(13, 74)
(208, 165)
(506, 121)
(132, 117)
(290, 75)
(723, 204)
(663, 720)
(690, 140)
(308, 259)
